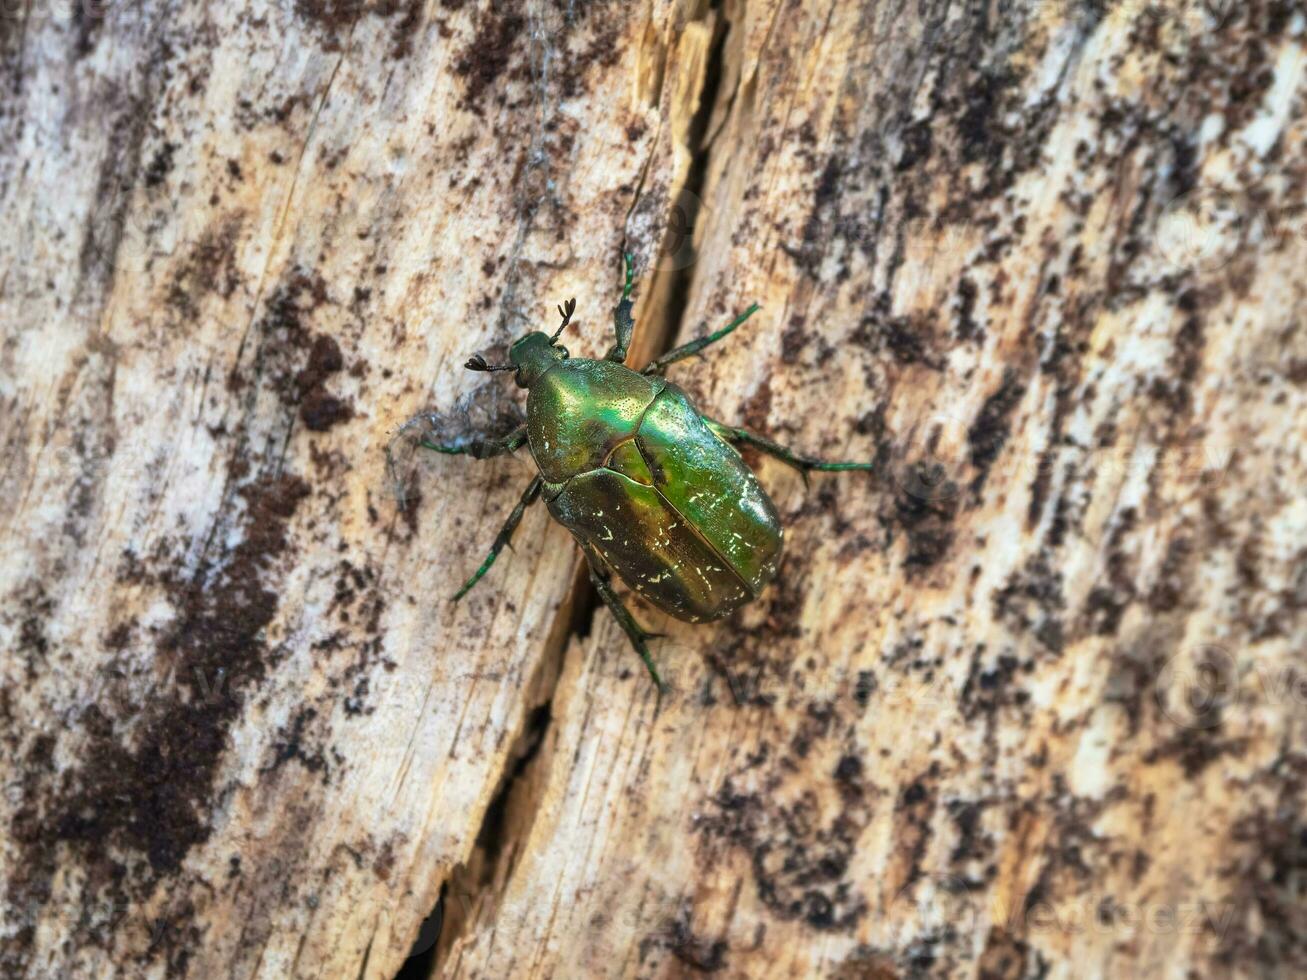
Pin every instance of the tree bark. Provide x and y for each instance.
(1026, 701)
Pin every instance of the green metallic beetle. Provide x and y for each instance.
(650, 488)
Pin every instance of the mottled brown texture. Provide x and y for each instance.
(959, 735)
(1026, 701)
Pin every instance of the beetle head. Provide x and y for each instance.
(533, 354)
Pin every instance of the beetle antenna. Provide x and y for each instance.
(565, 311)
(478, 363)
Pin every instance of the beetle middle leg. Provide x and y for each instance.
(660, 364)
(634, 631)
(804, 464)
(503, 537)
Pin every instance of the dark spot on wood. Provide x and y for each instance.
(1039, 489)
(987, 690)
(605, 24)
(989, 430)
(1032, 601)
(912, 812)
(967, 328)
(1195, 749)
(979, 127)
(1266, 869)
(1006, 957)
(405, 28)
(1172, 578)
(488, 55)
(119, 168)
(34, 608)
(908, 339)
(916, 138)
(865, 687)
(966, 815)
(1104, 608)
(700, 954)
(808, 253)
(924, 507)
(798, 860)
(208, 268)
(147, 790)
(160, 165)
(289, 745)
(848, 769)
(320, 411)
(795, 338)
(756, 410)
(296, 363)
(336, 18)
(88, 21)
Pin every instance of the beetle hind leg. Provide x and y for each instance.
(804, 464)
(503, 537)
(634, 631)
(659, 365)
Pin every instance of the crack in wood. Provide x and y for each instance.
(481, 879)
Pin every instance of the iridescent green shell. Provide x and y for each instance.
(635, 473)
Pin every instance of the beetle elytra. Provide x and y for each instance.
(651, 489)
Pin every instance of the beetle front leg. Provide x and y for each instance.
(481, 448)
(623, 324)
(659, 365)
(503, 537)
(804, 464)
(634, 631)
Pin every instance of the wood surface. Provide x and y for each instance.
(1026, 701)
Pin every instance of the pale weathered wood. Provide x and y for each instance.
(240, 247)
(965, 746)
(1041, 262)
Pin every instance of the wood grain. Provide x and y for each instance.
(1026, 702)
